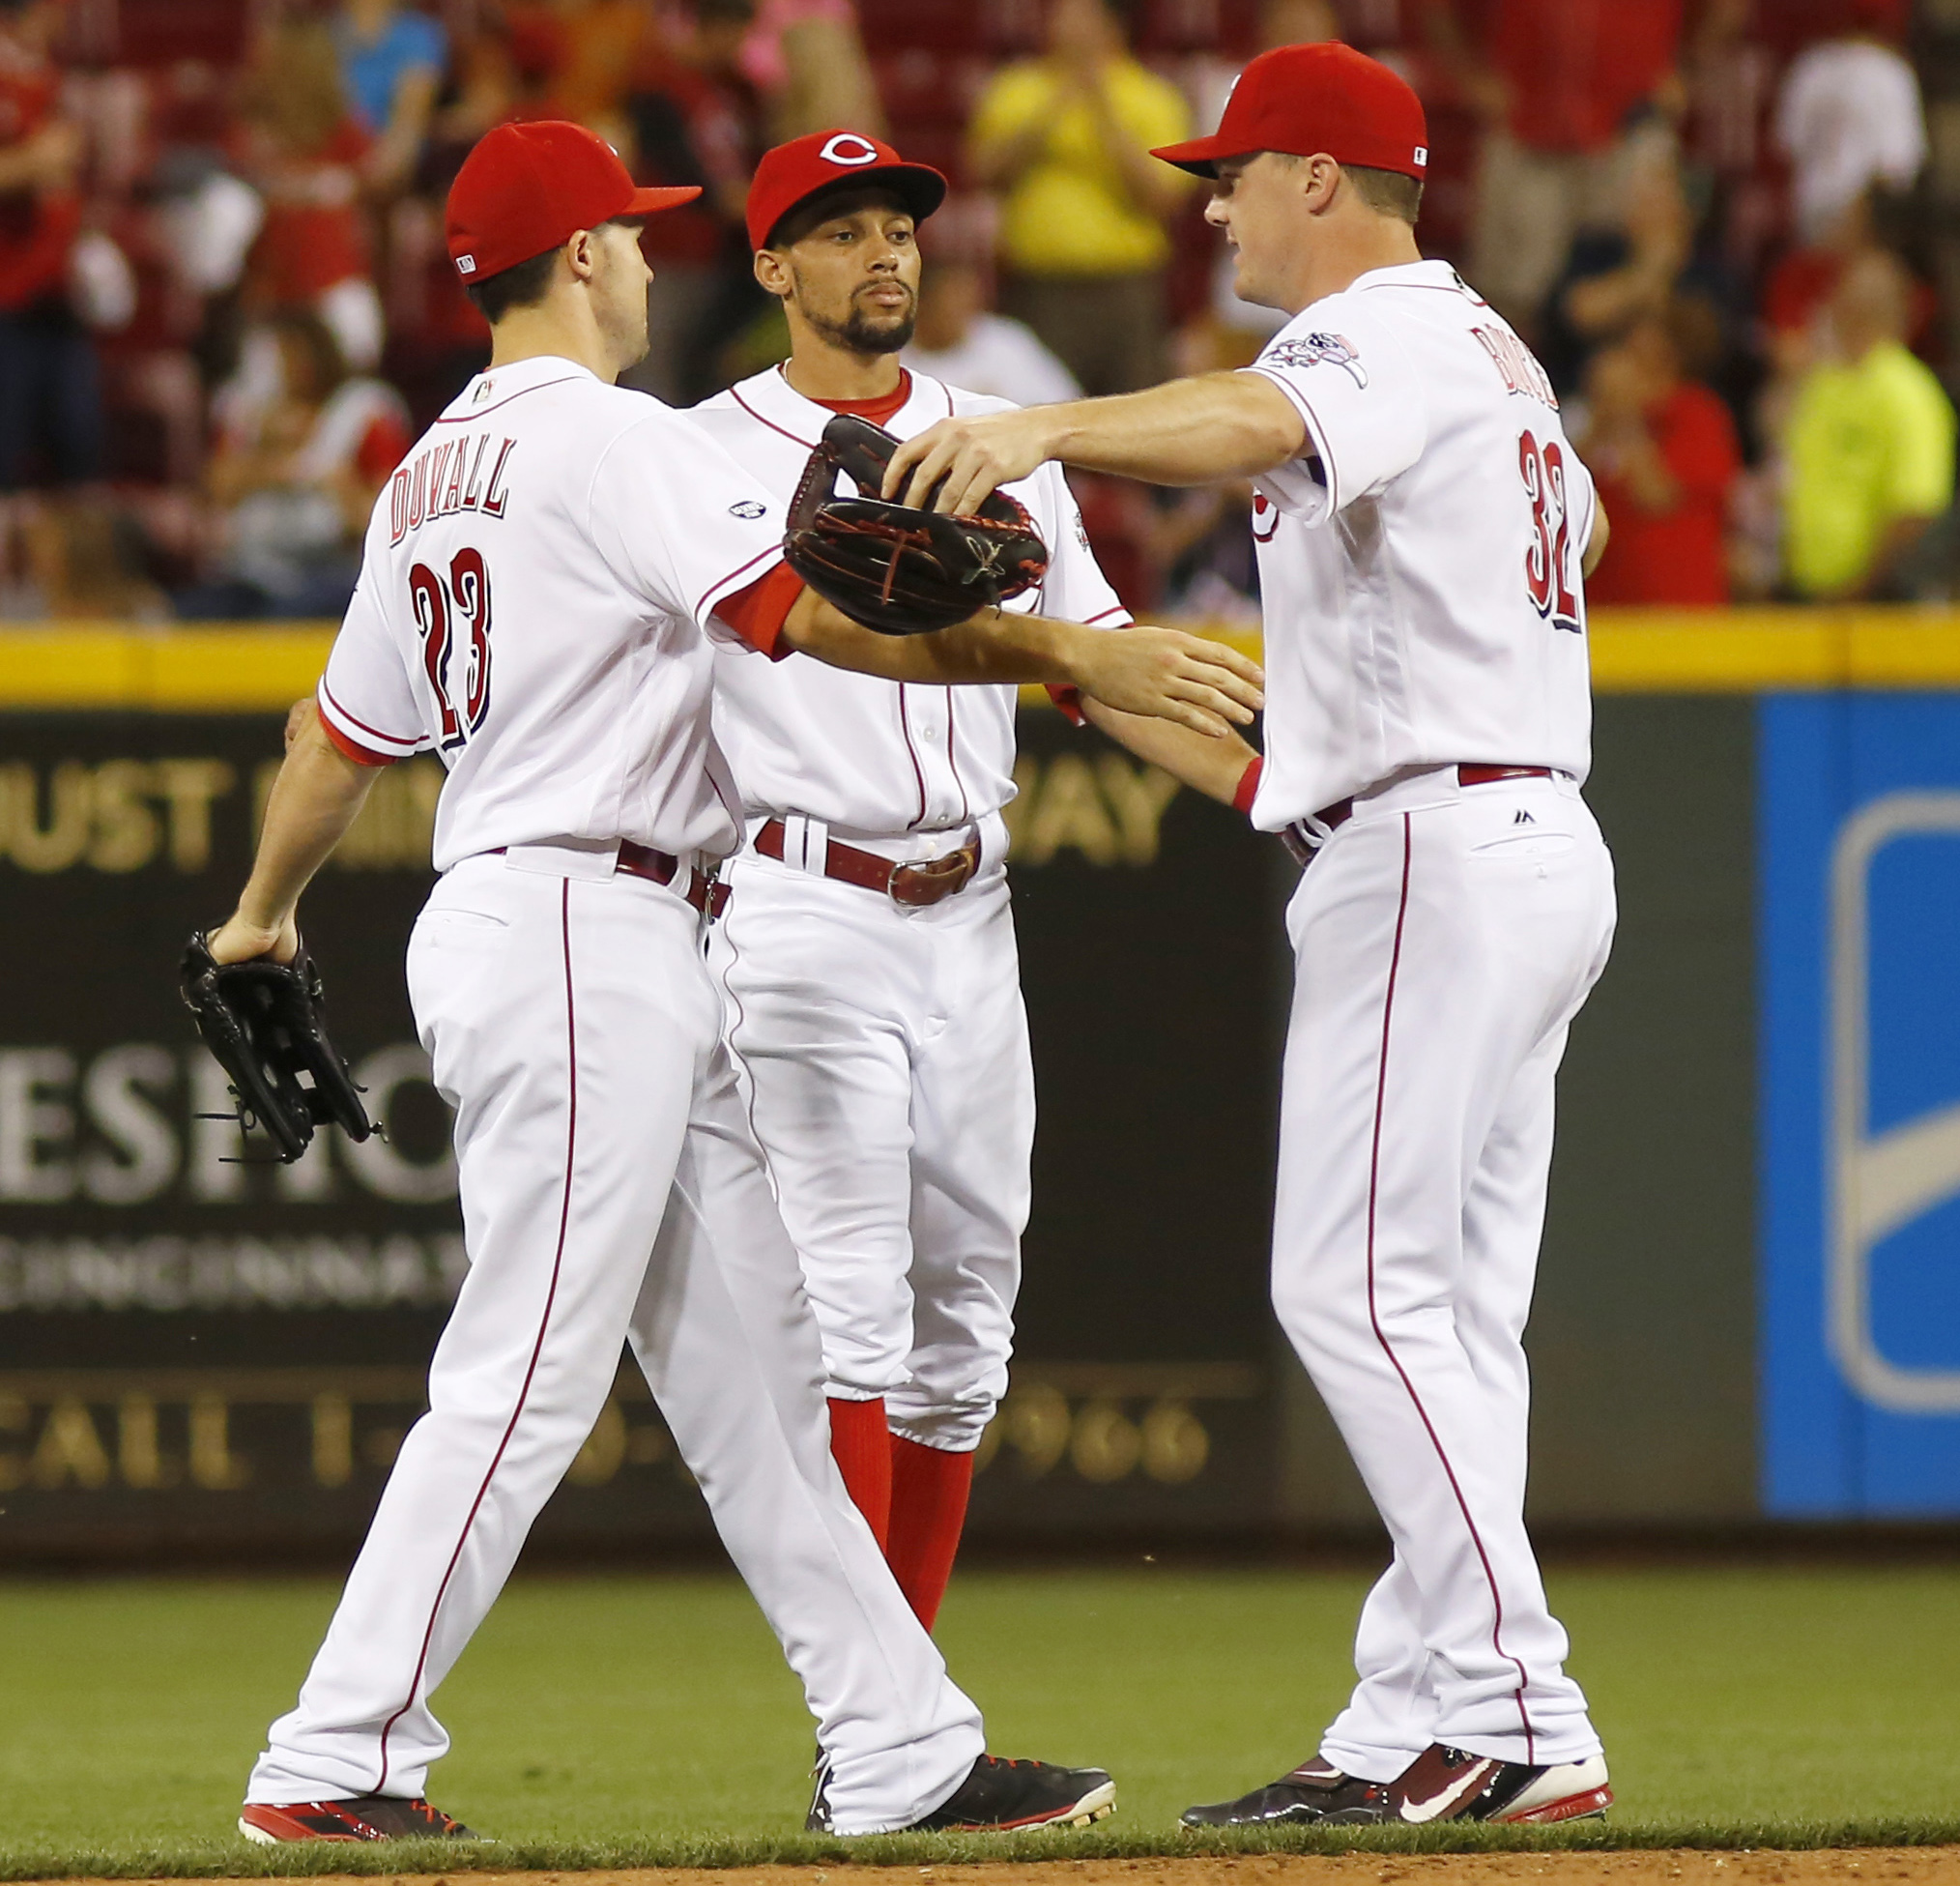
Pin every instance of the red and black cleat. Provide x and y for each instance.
(361, 1818)
(1441, 1784)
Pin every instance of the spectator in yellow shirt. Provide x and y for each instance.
(1066, 138)
(1869, 444)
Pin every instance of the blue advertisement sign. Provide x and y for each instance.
(1859, 828)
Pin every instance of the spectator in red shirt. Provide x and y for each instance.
(307, 152)
(50, 401)
(1568, 91)
(1662, 449)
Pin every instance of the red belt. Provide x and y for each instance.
(705, 893)
(916, 885)
(1303, 842)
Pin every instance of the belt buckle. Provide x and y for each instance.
(937, 879)
(714, 894)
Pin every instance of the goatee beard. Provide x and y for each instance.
(860, 337)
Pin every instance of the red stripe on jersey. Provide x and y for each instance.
(352, 749)
(720, 585)
(735, 393)
(408, 742)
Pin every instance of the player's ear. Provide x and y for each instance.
(1319, 179)
(772, 273)
(580, 254)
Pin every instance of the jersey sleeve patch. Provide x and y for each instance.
(1353, 384)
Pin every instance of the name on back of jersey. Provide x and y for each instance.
(1517, 364)
(448, 477)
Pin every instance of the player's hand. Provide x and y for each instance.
(1166, 673)
(238, 941)
(952, 466)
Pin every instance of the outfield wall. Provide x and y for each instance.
(1745, 1308)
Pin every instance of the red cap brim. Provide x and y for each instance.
(1200, 156)
(669, 196)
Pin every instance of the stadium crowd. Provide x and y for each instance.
(225, 307)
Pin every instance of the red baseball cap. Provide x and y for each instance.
(527, 187)
(1304, 100)
(795, 172)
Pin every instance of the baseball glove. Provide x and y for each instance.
(261, 1019)
(893, 569)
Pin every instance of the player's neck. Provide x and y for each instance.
(530, 333)
(1341, 258)
(820, 373)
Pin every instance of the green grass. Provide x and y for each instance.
(625, 1720)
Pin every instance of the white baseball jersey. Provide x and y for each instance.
(1419, 562)
(535, 597)
(867, 757)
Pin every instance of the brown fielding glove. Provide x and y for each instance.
(893, 569)
(261, 1021)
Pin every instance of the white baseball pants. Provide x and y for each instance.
(1444, 936)
(884, 1054)
(610, 1191)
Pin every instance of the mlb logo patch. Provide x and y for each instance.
(466, 265)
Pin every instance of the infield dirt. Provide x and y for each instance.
(1660, 1867)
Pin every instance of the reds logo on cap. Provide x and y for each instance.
(847, 147)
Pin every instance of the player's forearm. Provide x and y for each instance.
(315, 798)
(1204, 686)
(997, 645)
(1212, 766)
(1196, 432)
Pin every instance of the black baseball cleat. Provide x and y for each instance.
(1314, 1792)
(358, 1818)
(1441, 1784)
(998, 1796)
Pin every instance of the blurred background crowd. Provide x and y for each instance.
(1731, 229)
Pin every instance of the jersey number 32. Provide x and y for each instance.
(459, 673)
(1549, 555)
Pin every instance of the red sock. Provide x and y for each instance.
(861, 1446)
(929, 1491)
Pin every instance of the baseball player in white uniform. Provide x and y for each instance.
(868, 963)
(543, 584)
(1421, 523)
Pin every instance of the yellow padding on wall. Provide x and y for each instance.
(181, 670)
(198, 669)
